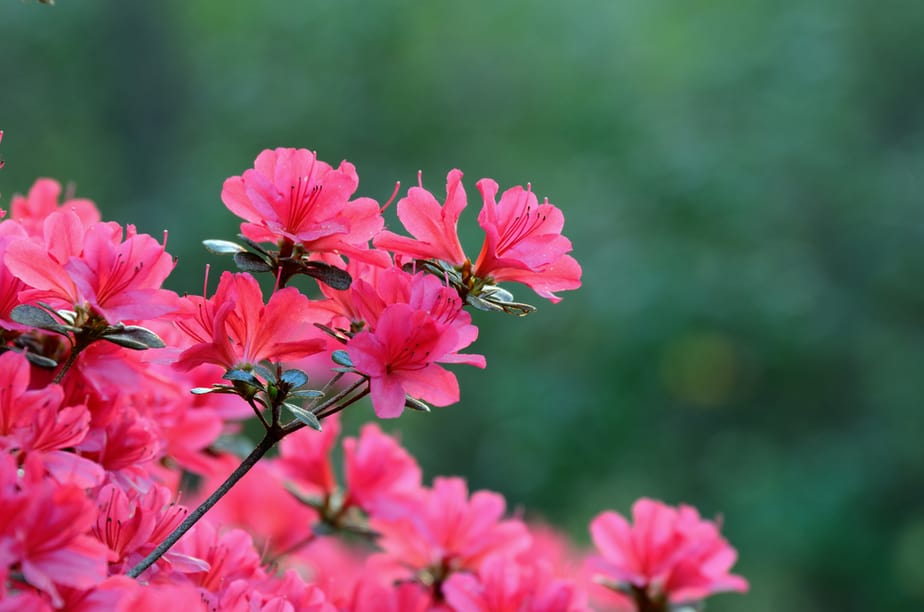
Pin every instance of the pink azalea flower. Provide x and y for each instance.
(445, 532)
(401, 350)
(132, 524)
(304, 459)
(523, 241)
(235, 329)
(43, 527)
(32, 210)
(375, 595)
(669, 553)
(381, 476)
(503, 585)
(229, 555)
(92, 268)
(290, 195)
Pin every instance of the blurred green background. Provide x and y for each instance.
(742, 181)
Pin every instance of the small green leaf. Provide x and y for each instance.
(327, 274)
(304, 416)
(134, 337)
(252, 244)
(306, 394)
(248, 262)
(342, 358)
(40, 360)
(240, 446)
(223, 247)
(265, 372)
(34, 316)
(416, 404)
(294, 378)
(243, 376)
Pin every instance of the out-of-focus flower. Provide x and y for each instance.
(667, 555)
(446, 531)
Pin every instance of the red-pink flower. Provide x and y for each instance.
(304, 459)
(504, 585)
(234, 328)
(669, 553)
(43, 527)
(401, 349)
(381, 476)
(446, 531)
(290, 195)
(32, 210)
(91, 267)
(523, 241)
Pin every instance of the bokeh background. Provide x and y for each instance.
(742, 181)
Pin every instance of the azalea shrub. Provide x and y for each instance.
(125, 482)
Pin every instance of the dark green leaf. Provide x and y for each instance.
(416, 404)
(34, 316)
(248, 262)
(223, 247)
(134, 337)
(342, 358)
(243, 376)
(254, 245)
(240, 446)
(40, 360)
(294, 378)
(304, 416)
(329, 275)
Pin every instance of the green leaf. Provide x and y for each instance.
(254, 245)
(223, 247)
(40, 360)
(248, 262)
(243, 376)
(294, 378)
(416, 404)
(306, 394)
(327, 274)
(304, 416)
(134, 337)
(33, 316)
(342, 358)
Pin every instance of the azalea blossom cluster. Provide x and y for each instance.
(116, 394)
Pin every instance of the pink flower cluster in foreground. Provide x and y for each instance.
(98, 427)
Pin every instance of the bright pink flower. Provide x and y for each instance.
(32, 210)
(523, 241)
(230, 556)
(445, 531)
(503, 585)
(304, 459)
(668, 553)
(132, 524)
(401, 350)
(381, 476)
(43, 528)
(375, 595)
(434, 227)
(234, 328)
(290, 195)
(92, 268)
